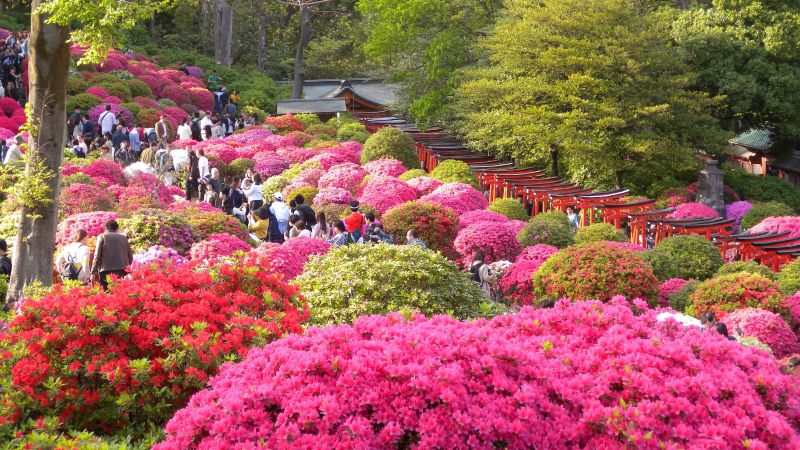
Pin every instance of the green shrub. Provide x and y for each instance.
(679, 299)
(356, 280)
(453, 171)
(510, 208)
(688, 256)
(599, 232)
(308, 193)
(413, 173)
(133, 107)
(239, 166)
(390, 142)
(117, 89)
(762, 189)
(165, 103)
(76, 85)
(139, 88)
(727, 293)
(761, 211)
(552, 228)
(308, 119)
(322, 131)
(84, 101)
(352, 131)
(258, 113)
(747, 266)
(77, 178)
(789, 277)
(595, 271)
(273, 184)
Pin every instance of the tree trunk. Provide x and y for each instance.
(618, 176)
(554, 161)
(223, 33)
(262, 44)
(153, 34)
(48, 65)
(299, 56)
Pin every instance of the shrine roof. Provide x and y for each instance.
(755, 139)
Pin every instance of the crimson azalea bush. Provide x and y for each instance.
(82, 198)
(727, 293)
(107, 172)
(463, 198)
(693, 211)
(585, 375)
(595, 271)
(436, 224)
(515, 283)
(217, 245)
(102, 361)
(767, 327)
(497, 241)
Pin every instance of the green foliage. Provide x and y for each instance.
(139, 88)
(747, 266)
(322, 131)
(257, 90)
(117, 89)
(85, 101)
(352, 131)
(356, 280)
(133, 107)
(728, 293)
(789, 277)
(76, 178)
(510, 208)
(165, 103)
(390, 142)
(761, 211)
(274, 184)
(308, 119)
(239, 166)
(453, 171)
(762, 189)
(9, 225)
(3, 285)
(76, 85)
(679, 299)
(550, 228)
(308, 193)
(413, 173)
(599, 232)
(689, 257)
(258, 113)
(595, 85)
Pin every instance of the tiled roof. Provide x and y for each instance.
(790, 164)
(758, 139)
(321, 105)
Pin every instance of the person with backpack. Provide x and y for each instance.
(5, 261)
(73, 262)
(195, 128)
(480, 271)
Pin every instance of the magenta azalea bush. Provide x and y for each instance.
(424, 185)
(383, 193)
(497, 242)
(346, 176)
(515, 284)
(306, 246)
(668, 288)
(334, 195)
(779, 224)
(693, 211)
(271, 164)
(92, 222)
(480, 215)
(737, 210)
(583, 375)
(387, 167)
(104, 172)
(80, 198)
(463, 198)
(217, 245)
(766, 326)
(282, 261)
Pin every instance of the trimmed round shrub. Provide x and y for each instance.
(687, 256)
(218, 245)
(497, 241)
(352, 131)
(480, 215)
(413, 173)
(551, 228)
(139, 88)
(80, 198)
(133, 107)
(454, 171)
(463, 198)
(761, 211)
(76, 85)
(727, 293)
(117, 89)
(515, 283)
(150, 227)
(436, 224)
(599, 232)
(595, 271)
(239, 166)
(510, 208)
(356, 280)
(747, 266)
(693, 211)
(84, 101)
(384, 193)
(390, 142)
(679, 299)
(308, 193)
(588, 375)
(765, 326)
(789, 277)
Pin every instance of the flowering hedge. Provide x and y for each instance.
(284, 123)
(384, 193)
(134, 355)
(765, 326)
(354, 280)
(346, 176)
(689, 257)
(80, 198)
(152, 226)
(583, 272)
(386, 167)
(761, 211)
(498, 242)
(306, 246)
(436, 224)
(480, 215)
(515, 284)
(727, 293)
(693, 211)
(779, 224)
(217, 245)
(108, 172)
(423, 185)
(668, 288)
(92, 222)
(461, 197)
(587, 375)
(551, 228)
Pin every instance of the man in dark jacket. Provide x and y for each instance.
(5, 261)
(306, 212)
(112, 255)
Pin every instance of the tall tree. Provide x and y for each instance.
(421, 44)
(304, 37)
(749, 52)
(593, 86)
(223, 33)
(98, 26)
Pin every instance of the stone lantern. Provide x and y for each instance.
(711, 186)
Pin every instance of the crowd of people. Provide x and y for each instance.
(13, 50)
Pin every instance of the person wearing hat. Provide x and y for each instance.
(14, 153)
(280, 211)
(258, 224)
(355, 221)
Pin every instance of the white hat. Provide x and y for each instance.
(278, 196)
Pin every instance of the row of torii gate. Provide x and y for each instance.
(645, 225)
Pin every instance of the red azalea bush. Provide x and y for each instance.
(727, 293)
(778, 225)
(668, 288)
(176, 93)
(384, 193)
(497, 242)
(284, 123)
(134, 355)
(217, 245)
(595, 271)
(202, 98)
(515, 284)
(98, 91)
(92, 222)
(583, 375)
(102, 171)
(79, 198)
(693, 211)
(461, 197)
(767, 327)
(436, 224)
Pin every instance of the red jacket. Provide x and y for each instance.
(355, 221)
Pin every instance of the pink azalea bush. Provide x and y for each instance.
(307, 246)
(583, 375)
(766, 326)
(335, 195)
(385, 167)
(480, 215)
(626, 245)
(668, 288)
(693, 211)
(346, 176)
(92, 222)
(80, 198)
(216, 245)
(282, 261)
(515, 284)
(737, 210)
(497, 242)
(461, 197)
(383, 193)
(271, 164)
(104, 172)
(793, 303)
(156, 255)
(424, 185)
(778, 225)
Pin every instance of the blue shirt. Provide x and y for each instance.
(136, 144)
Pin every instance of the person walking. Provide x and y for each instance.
(5, 261)
(73, 262)
(112, 254)
(192, 175)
